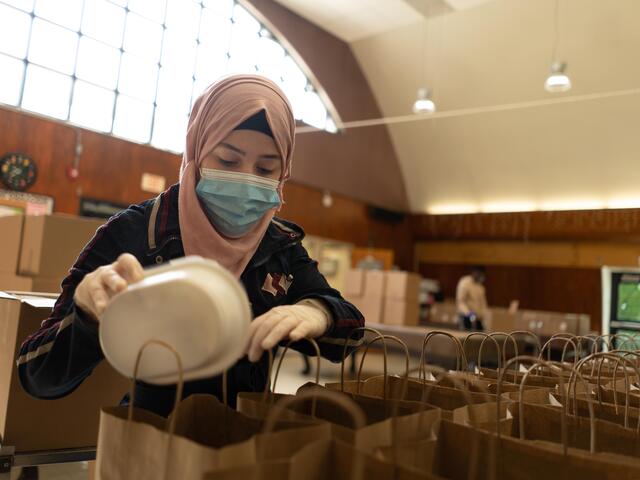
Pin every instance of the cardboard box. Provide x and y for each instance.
(29, 424)
(501, 320)
(402, 285)
(374, 281)
(18, 283)
(444, 313)
(354, 283)
(46, 285)
(10, 241)
(15, 283)
(401, 312)
(370, 307)
(51, 243)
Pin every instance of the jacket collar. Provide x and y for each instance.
(280, 234)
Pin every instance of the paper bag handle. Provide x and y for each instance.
(357, 415)
(557, 369)
(506, 336)
(315, 346)
(528, 333)
(406, 369)
(630, 338)
(609, 356)
(566, 340)
(179, 388)
(441, 374)
(346, 344)
(461, 358)
(485, 336)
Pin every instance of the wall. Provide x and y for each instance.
(547, 260)
(111, 169)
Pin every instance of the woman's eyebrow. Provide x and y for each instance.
(235, 149)
(271, 156)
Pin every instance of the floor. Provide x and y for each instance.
(289, 379)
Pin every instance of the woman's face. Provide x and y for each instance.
(246, 151)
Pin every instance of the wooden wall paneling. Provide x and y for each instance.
(549, 254)
(50, 144)
(112, 168)
(588, 225)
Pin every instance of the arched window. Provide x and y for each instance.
(132, 68)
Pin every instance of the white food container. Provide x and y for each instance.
(193, 304)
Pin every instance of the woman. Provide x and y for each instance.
(237, 158)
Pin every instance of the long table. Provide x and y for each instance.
(9, 459)
(441, 350)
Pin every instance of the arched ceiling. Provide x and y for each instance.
(521, 148)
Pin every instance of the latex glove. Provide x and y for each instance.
(304, 320)
(98, 287)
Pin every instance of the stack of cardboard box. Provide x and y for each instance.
(10, 242)
(365, 289)
(389, 297)
(36, 251)
(30, 424)
(401, 303)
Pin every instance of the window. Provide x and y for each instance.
(133, 68)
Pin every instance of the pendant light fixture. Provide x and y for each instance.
(424, 105)
(558, 80)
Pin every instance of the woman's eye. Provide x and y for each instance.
(264, 171)
(227, 163)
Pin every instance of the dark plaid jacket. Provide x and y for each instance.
(64, 351)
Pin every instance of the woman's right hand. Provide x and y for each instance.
(98, 287)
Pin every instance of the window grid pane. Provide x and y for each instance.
(11, 79)
(47, 92)
(52, 46)
(103, 21)
(98, 63)
(173, 50)
(14, 31)
(26, 5)
(67, 13)
(92, 106)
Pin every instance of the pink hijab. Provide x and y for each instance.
(222, 107)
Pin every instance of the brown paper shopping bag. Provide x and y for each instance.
(383, 419)
(543, 422)
(326, 459)
(515, 459)
(522, 459)
(379, 414)
(201, 434)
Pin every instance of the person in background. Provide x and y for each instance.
(471, 300)
(238, 155)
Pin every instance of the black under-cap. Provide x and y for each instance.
(257, 123)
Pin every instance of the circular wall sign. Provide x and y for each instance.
(18, 171)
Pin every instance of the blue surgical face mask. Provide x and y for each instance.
(235, 202)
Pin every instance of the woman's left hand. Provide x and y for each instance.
(293, 321)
